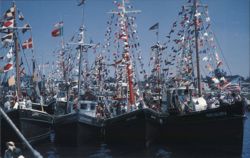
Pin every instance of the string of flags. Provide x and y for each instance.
(8, 26)
(122, 35)
(179, 45)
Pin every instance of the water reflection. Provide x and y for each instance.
(157, 151)
(103, 152)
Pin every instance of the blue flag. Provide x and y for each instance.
(154, 27)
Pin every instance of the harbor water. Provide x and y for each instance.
(102, 150)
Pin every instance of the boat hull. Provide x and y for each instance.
(77, 129)
(65, 128)
(216, 129)
(34, 125)
(135, 128)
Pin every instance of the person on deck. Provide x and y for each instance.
(7, 105)
(75, 103)
(28, 103)
(98, 112)
(12, 151)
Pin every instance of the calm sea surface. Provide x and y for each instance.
(49, 150)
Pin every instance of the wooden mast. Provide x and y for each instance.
(130, 75)
(126, 55)
(197, 48)
(18, 88)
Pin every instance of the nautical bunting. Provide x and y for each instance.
(7, 38)
(22, 72)
(155, 26)
(8, 24)
(26, 27)
(81, 2)
(21, 62)
(8, 67)
(10, 53)
(20, 16)
(58, 29)
(27, 44)
(9, 13)
(59, 24)
(56, 32)
(11, 81)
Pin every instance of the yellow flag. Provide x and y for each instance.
(11, 81)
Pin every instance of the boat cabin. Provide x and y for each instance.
(87, 107)
(182, 100)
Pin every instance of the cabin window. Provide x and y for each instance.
(61, 95)
(84, 106)
(92, 106)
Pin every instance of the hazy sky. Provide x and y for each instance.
(230, 23)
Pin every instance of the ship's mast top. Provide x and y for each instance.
(122, 7)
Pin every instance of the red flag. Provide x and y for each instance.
(8, 67)
(56, 32)
(8, 24)
(58, 29)
(27, 44)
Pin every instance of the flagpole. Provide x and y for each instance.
(33, 52)
(83, 13)
(195, 5)
(157, 34)
(17, 56)
(63, 49)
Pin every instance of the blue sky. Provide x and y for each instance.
(230, 23)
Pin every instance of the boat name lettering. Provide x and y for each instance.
(131, 118)
(216, 114)
(85, 119)
(35, 114)
(153, 117)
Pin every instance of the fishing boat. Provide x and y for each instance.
(130, 121)
(35, 125)
(80, 115)
(81, 122)
(207, 113)
(245, 89)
